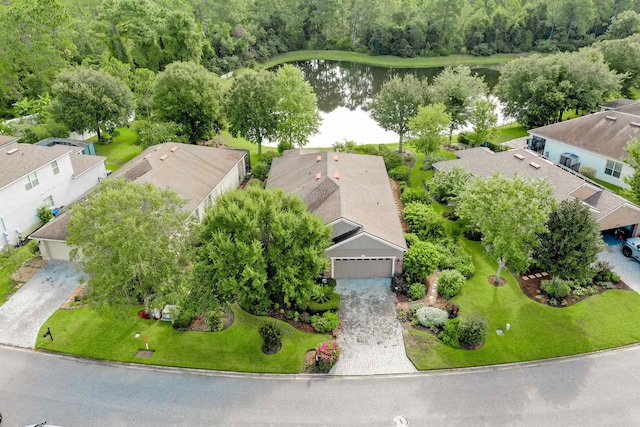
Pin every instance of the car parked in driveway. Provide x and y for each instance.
(631, 248)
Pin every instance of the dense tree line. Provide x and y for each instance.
(47, 36)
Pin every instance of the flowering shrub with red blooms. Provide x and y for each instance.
(328, 354)
(452, 309)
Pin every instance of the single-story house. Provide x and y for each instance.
(198, 174)
(352, 194)
(597, 140)
(84, 147)
(610, 210)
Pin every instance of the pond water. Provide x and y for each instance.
(344, 91)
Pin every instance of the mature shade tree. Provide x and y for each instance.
(398, 101)
(483, 120)
(457, 88)
(153, 133)
(189, 95)
(91, 100)
(261, 247)
(36, 43)
(296, 108)
(250, 106)
(509, 212)
(570, 243)
(130, 238)
(429, 128)
(623, 25)
(420, 260)
(623, 57)
(633, 158)
(180, 38)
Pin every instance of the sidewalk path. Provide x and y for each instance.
(371, 336)
(26, 311)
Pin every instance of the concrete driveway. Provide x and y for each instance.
(26, 311)
(627, 268)
(371, 336)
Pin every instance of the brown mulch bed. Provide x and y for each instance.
(532, 284)
(301, 326)
(395, 189)
(200, 324)
(492, 282)
(28, 269)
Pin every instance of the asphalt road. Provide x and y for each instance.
(600, 389)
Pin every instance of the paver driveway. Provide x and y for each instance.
(24, 313)
(627, 268)
(371, 336)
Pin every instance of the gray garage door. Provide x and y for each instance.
(366, 267)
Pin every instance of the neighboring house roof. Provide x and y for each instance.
(6, 140)
(618, 103)
(50, 142)
(606, 133)
(192, 171)
(19, 160)
(566, 184)
(56, 229)
(354, 187)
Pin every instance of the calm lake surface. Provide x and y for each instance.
(344, 91)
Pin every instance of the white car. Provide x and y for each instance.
(631, 248)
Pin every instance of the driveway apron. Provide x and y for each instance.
(26, 311)
(627, 268)
(371, 336)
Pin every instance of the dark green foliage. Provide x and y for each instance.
(414, 195)
(325, 323)
(322, 294)
(448, 184)
(602, 272)
(44, 214)
(430, 159)
(411, 239)
(271, 336)
(292, 315)
(454, 257)
(182, 321)
(570, 243)
(450, 334)
(555, 288)
(450, 283)
(400, 173)
(423, 221)
(473, 330)
(260, 171)
(416, 291)
(399, 285)
(332, 304)
(420, 261)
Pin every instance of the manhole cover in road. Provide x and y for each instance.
(144, 354)
(400, 421)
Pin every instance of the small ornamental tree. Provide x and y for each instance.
(473, 330)
(420, 260)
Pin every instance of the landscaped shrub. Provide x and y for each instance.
(446, 185)
(325, 323)
(420, 261)
(411, 239)
(399, 285)
(472, 234)
(215, 319)
(431, 317)
(450, 283)
(260, 171)
(450, 334)
(413, 195)
(451, 309)
(45, 214)
(322, 294)
(333, 304)
(602, 272)
(555, 288)
(400, 173)
(328, 353)
(425, 222)
(292, 315)
(182, 320)
(454, 257)
(473, 330)
(271, 337)
(588, 171)
(416, 291)
(430, 159)
(253, 182)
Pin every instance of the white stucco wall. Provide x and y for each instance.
(554, 149)
(19, 206)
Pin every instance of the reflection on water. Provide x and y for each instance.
(344, 91)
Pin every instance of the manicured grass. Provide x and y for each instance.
(9, 263)
(389, 61)
(84, 332)
(609, 320)
(510, 131)
(120, 150)
(227, 139)
(418, 176)
(612, 187)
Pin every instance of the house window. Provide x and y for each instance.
(32, 181)
(613, 168)
(48, 202)
(56, 169)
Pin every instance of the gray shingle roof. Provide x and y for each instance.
(341, 185)
(26, 159)
(191, 171)
(566, 185)
(6, 139)
(606, 133)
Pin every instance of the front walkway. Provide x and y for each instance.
(371, 336)
(22, 316)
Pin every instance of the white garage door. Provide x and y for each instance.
(364, 267)
(58, 250)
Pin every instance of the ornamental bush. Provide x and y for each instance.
(423, 221)
(413, 195)
(420, 261)
(328, 353)
(473, 330)
(555, 288)
(400, 173)
(416, 291)
(588, 171)
(454, 257)
(271, 336)
(450, 283)
(333, 304)
(431, 317)
(326, 323)
(450, 334)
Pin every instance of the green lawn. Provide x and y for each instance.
(389, 61)
(84, 332)
(612, 187)
(609, 320)
(120, 150)
(9, 263)
(510, 131)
